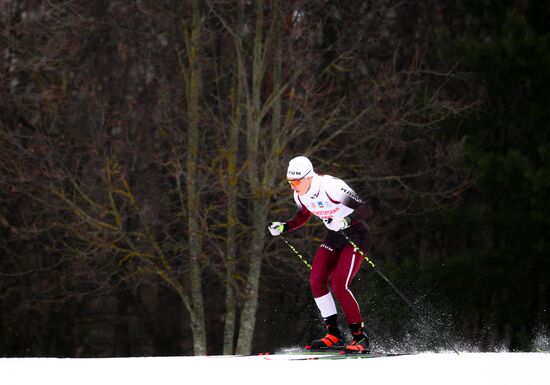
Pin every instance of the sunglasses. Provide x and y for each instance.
(296, 182)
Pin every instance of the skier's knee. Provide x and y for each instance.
(318, 286)
(339, 288)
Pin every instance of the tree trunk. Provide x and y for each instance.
(232, 195)
(260, 195)
(193, 202)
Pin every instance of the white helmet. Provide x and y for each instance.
(299, 168)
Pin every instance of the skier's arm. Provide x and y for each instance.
(361, 212)
(345, 196)
(302, 216)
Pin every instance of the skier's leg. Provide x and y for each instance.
(324, 262)
(346, 269)
(348, 266)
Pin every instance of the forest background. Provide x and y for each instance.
(143, 149)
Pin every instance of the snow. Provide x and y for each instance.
(425, 368)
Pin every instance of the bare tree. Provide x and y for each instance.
(191, 73)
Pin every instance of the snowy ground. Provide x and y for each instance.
(426, 368)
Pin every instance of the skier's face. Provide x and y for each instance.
(301, 186)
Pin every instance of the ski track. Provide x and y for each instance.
(425, 368)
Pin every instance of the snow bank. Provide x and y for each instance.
(436, 368)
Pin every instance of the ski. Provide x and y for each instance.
(326, 354)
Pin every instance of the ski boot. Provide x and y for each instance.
(332, 340)
(360, 343)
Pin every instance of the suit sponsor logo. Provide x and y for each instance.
(325, 213)
(327, 247)
(323, 205)
(352, 195)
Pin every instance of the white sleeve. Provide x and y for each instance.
(339, 191)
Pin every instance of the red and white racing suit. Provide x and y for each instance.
(336, 261)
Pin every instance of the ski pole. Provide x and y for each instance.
(411, 305)
(296, 252)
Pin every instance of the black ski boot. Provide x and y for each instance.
(360, 343)
(332, 340)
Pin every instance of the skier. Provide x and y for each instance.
(336, 260)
